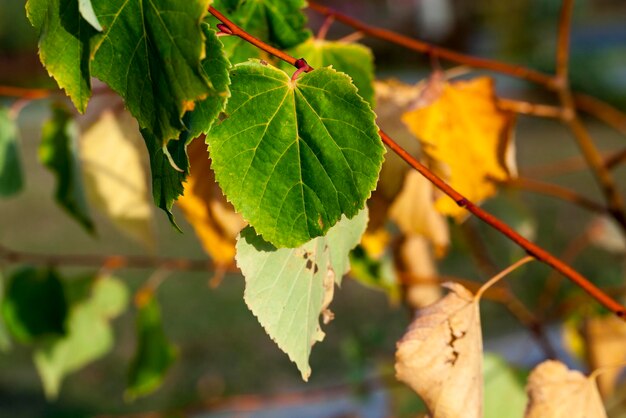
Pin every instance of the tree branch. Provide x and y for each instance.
(426, 48)
(110, 261)
(572, 120)
(532, 249)
(556, 191)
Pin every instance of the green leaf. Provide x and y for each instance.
(86, 11)
(356, 60)
(377, 274)
(150, 53)
(11, 178)
(215, 66)
(58, 152)
(278, 22)
(154, 354)
(89, 334)
(288, 289)
(293, 157)
(167, 182)
(5, 339)
(64, 45)
(505, 394)
(34, 305)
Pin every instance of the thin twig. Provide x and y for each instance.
(532, 109)
(532, 249)
(572, 120)
(556, 191)
(573, 164)
(112, 262)
(237, 31)
(443, 53)
(608, 114)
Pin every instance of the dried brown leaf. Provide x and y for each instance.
(440, 356)
(554, 391)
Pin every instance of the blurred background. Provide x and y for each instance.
(227, 366)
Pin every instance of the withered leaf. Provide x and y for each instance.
(440, 356)
(554, 391)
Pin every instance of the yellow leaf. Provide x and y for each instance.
(440, 356)
(114, 168)
(467, 137)
(554, 391)
(606, 349)
(213, 219)
(375, 242)
(415, 214)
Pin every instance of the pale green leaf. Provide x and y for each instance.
(154, 354)
(89, 334)
(293, 157)
(86, 11)
(150, 53)
(278, 22)
(34, 305)
(505, 394)
(11, 178)
(64, 45)
(355, 60)
(288, 289)
(58, 152)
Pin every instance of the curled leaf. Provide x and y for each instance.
(440, 356)
(555, 391)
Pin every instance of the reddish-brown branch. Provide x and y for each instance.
(572, 120)
(109, 261)
(602, 111)
(539, 253)
(26, 93)
(237, 31)
(443, 53)
(556, 191)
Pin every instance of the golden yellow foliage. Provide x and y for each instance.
(467, 137)
(206, 209)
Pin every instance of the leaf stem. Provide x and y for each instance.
(531, 109)
(502, 274)
(532, 249)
